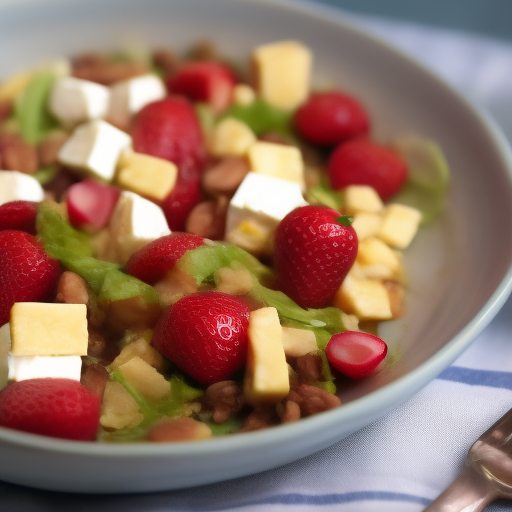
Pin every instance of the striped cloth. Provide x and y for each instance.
(401, 462)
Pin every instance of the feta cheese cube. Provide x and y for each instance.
(134, 223)
(282, 73)
(16, 186)
(94, 148)
(129, 96)
(231, 137)
(39, 329)
(362, 198)
(266, 379)
(278, 161)
(74, 101)
(399, 225)
(146, 175)
(258, 206)
(34, 367)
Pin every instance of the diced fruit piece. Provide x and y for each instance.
(204, 81)
(377, 260)
(243, 94)
(19, 215)
(27, 273)
(266, 378)
(362, 198)
(231, 137)
(277, 161)
(119, 409)
(90, 204)
(39, 329)
(146, 175)
(5, 347)
(170, 129)
(366, 224)
(94, 148)
(142, 349)
(313, 254)
(16, 186)
(298, 342)
(329, 118)
(355, 354)
(282, 73)
(363, 162)
(399, 225)
(61, 408)
(172, 430)
(233, 281)
(205, 335)
(152, 262)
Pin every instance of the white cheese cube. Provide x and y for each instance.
(34, 367)
(94, 148)
(5, 347)
(16, 186)
(282, 73)
(134, 223)
(399, 225)
(231, 137)
(130, 96)
(362, 198)
(278, 161)
(261, 202)
(74, 101)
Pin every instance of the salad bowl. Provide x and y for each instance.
(459, 267)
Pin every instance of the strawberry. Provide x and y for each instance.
(52, 407)
(151, 263)
(329, 118)
(27, 273)
(19, 215)
(363, 162)
(355, 354)
(312, 254)
(205, 335)
(170, 129)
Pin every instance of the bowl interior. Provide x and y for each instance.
(458, 267)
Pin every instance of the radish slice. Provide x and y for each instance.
(355, 354)
(90, 204)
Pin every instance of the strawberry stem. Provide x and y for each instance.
(345, 220)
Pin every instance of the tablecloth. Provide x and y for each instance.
(404, 460)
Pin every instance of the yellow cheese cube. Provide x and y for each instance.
(399, 225)
(231, 137)
(298, 342)
(365, 298)
(378, 260)
(362, 198)
(145, 379)
(277, 161)
(366, 224)
(39, 329)
(243, 94)
(282, 73)
(266, 375)
(146, 175)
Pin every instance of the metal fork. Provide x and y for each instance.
(487, 473)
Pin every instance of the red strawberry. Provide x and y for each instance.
(151, 263)
(19, 215)
(205, 81)
(363, 162)
(205, 335)
(170, 129)
(313, 253)
(50, 407)
(27, 273)
(355, 354)
(329, 118)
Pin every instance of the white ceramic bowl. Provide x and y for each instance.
(460, 267)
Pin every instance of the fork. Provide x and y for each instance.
(487, 473)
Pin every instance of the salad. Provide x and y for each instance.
(191, 248)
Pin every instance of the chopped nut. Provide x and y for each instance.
(224, 399)
(288, 411)
(225, 176)
(72, 289)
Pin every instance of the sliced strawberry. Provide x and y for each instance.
(51, 407)
(27, 273)
(151, 263)
(363, 162)
(329, 118)
(19, 215)
(90, 204)
(313, 254)
(204, 81)
(170, 129)
(355, 354)
(205, 335)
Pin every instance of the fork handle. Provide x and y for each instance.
(469, 492)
